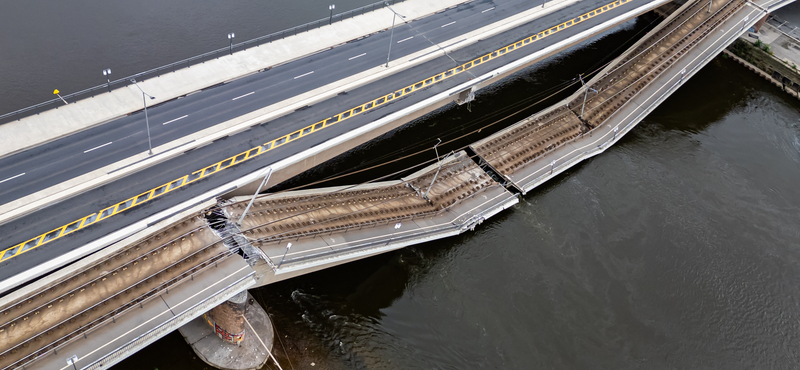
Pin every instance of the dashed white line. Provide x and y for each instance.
(239, 97)
(12, 177)
(98, 147)
(405, 39)
(175, 119)
(492, 8)
(304, 74)
(357, 56)
(448, 24)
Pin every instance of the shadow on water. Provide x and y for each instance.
(668, 251)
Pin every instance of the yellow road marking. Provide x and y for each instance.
(254, 152)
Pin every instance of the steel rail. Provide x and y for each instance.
(112, 210)
(150, 293)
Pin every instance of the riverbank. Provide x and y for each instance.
(772, 53)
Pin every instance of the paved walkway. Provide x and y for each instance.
(784, 45)
(50, 125)
(169, 150)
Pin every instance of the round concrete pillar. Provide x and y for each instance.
(227, 319)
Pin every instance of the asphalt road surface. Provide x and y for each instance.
(72, 156)
(216, 105)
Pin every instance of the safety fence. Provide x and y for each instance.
(197, 59)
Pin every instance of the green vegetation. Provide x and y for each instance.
(749, 52)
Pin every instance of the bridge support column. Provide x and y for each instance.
(227, 319)
(760, 23)
(235, 335)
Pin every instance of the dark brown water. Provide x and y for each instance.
(675, 249)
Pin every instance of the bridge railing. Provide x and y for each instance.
(197, 59)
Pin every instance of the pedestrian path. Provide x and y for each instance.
(77, 116)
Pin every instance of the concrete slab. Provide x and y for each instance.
(14, 139)
(629, 115)
(142, 325)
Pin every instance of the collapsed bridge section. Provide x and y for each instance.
(534, 149)
(312, 229)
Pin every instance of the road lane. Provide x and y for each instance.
(47, 166)
(70, 209)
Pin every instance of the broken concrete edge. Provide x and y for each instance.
(42, 199)
(579, 92)
(65, 273)
(530, 185)
(384, 124)
(614, 62)
(266, 275)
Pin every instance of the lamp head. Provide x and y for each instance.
(106, 71)
(332, 6)
(231, 35)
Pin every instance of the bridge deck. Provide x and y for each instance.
(154, 318)
(36, 325)
(301, 146)
(543, 145)
(325, 224)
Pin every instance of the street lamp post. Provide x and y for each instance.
(146, 120)
(391, 35)
(230, 38)
(331, 7)
(107, 73)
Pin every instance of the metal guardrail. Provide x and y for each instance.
(185, 63)
(179, 320)
(146, 296)
(556, 170)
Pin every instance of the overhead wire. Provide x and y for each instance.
(341, 175)
(592, 70)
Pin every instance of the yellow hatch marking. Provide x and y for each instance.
(254, 152)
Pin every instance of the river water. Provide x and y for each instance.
(676, 248)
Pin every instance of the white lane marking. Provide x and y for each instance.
(357, 56)
(239, 97)
(98, 147)
(405, 39)
(448, 24)
(305, 74)
(175, 119)
(492, 8)
(11, 178)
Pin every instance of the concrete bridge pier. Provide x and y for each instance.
(236, 335)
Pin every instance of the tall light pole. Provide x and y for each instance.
(391, 35)
(331, 7)
(230, 38)
(146, 120)
(107, 73)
